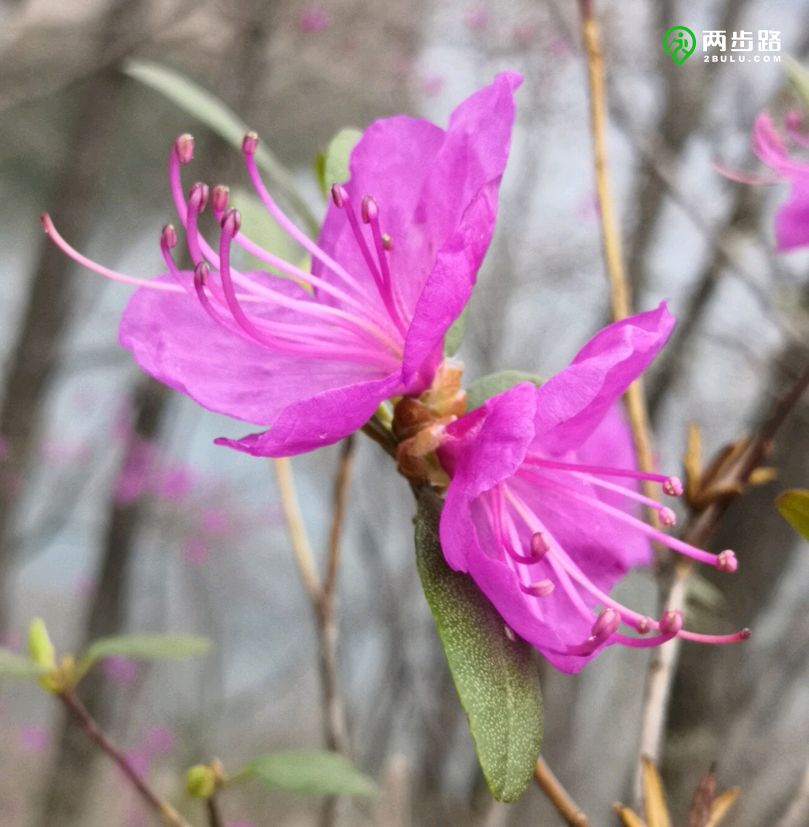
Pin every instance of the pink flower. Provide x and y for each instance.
(195, 551)
(159, 740)
(313, 19)
(792, 218)
(534, 512)
(120, 670)
(393, 267)
(477, 17)
(34, 739)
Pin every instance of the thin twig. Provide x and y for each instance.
(619, 289)
(321, 596)
(214, 814)
(341, 485)
(558, 795)
(698, 532)
(167, 814)
(301, 547)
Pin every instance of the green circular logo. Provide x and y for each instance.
(679, 43)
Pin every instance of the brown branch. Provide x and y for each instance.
(610, 235)
(558, 795)
(214, 814)
(322, 598)
(663, 664)
(165, 812)
(301, 547)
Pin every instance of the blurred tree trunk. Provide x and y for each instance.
(72, 769)
(46, 315)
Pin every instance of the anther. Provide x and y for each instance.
(541, 588)
(198, 197)
(539, 545)
(184, 148)
(201, 273)
(368, 209)
(667, 516)
(726, 561)
(232, 222)
(606, 624)
(219, 198)
(249, 143)
(387, 241)
(671, 622)
(339, 195)
(169, 236)
(673, 487)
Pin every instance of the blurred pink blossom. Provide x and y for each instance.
(34, 739)
(477, 17)
(313, 19)
(159, 740)
(195, 551)
(120, 670)
(215, 521)
(432, 85)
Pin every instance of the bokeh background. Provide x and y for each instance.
(118, 514)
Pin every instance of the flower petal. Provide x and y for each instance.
(483, 448)
(319, 420)
(792, 218)
(572, 403)
(173, 339)
(424, 181)
(449, 286)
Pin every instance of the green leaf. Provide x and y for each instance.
(146, 647)
(794, 508)
(488, 386)
(217, 116)
(13, 665)
(495, 675)
(332, 165)
(454, 336)
(312, 772)
(799, 78)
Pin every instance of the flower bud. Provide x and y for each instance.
(40, 646)
(200, 781)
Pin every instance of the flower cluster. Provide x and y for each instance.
(542, 497)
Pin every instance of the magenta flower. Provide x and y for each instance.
(792, 218)
(312, 354)
(534, 513)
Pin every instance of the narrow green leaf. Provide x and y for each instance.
(495, 676)
(799, 78)
(488, 386)
(311, 772)
(221, 119)
(13, 665)
(333, 168)
(147, 647)
(794, 508)
(454, 336)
